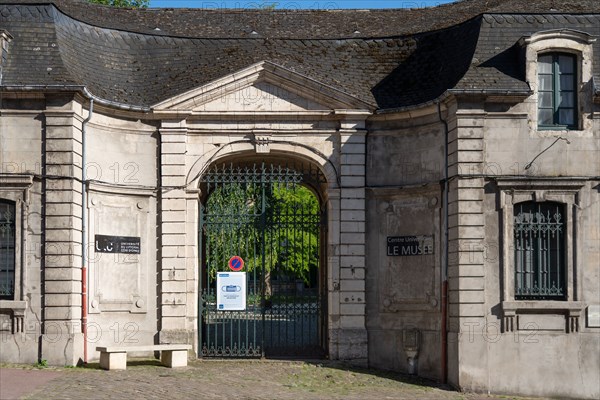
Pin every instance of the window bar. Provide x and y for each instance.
(519, 254)
(522, 256)
(528, 238)
(540, 252)
(546, 261)
(522, 252)
(550, 263)
(558, 255)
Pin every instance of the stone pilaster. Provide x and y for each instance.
(173, 238)
(351, 335)
(466, 276)
(62, 338)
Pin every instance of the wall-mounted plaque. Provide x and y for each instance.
(593, 316)
(410, 245)
(117, 244)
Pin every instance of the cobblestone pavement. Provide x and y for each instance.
(231, 380)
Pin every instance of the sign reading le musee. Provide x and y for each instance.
(117, 244)
(410, 245)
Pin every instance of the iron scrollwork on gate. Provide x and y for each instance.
(266, 215)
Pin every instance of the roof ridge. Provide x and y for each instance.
(289, 24)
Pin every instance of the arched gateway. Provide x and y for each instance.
(262, 281)
(278, 161)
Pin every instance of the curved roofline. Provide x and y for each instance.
(263, 11)
(398, 36)
(341, 24)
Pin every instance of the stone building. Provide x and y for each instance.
(454, 153)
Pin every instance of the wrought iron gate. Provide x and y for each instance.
(268, 217)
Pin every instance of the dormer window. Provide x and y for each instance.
(558, 67)
(557, 94)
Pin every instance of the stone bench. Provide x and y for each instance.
(171, 355)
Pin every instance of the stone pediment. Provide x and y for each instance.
(262, 88)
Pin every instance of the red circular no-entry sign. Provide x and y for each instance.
(236, 263)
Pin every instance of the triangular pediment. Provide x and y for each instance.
(262, 88)
(261, 96)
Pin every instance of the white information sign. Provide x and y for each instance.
(231, 291)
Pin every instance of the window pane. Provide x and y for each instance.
(567, 82)
(567, 99)
(545, 117)
(566, 117)
(545, 82)
(566, 64)
(545, 100)
(545, 64)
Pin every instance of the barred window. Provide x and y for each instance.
(539, 239)
(7, 250)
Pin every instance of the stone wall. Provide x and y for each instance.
(541, 347)
(405, 198)
(122, 201)
(384, 178)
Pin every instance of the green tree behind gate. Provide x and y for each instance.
(287, 231)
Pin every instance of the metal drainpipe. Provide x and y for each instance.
(84, 309)
(444, 269)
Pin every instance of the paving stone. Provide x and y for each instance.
(219, 379)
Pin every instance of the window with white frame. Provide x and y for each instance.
(557, 91)
(558, 64)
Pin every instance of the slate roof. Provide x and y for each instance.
(497, 63)
(302, 24)
(399, 57)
